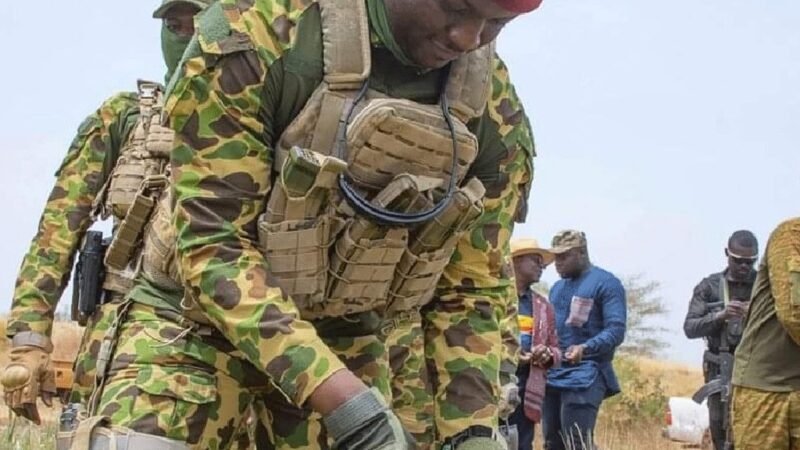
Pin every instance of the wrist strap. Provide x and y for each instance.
(354, 413)
(32, 339)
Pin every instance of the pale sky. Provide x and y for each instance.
(661, 127)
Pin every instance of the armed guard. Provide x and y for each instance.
(337, 164)
(116, 167)
(716, 313)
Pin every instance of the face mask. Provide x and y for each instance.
(172, 48)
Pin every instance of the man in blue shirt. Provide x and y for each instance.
(590, 314)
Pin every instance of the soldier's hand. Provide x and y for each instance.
(574, 353)
(27, 376)
(524, 358)
(365, 422)
(542, 355)
(735, 309)
(509, 399)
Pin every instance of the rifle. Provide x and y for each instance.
(724, 360)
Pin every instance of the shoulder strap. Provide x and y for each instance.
(345, 43)
(470, 83)
(150, 97)
(724, 293)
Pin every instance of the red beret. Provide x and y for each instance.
(519, 6)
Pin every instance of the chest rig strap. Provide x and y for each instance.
(141, 168)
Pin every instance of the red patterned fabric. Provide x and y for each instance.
(544, 332)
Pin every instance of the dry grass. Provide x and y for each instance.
(678, 380)
(626, 422)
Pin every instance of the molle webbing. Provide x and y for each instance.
(470, 83)
(431, 248)
(400, 155)
(159, 261)
(129, 233)
(134, 163)
(393, 136)
(136, 183)
(293, 235)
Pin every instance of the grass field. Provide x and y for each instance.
(630, 421)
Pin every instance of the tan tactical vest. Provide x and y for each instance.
(397, 154)
(133, 187)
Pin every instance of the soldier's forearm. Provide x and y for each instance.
(335, 391)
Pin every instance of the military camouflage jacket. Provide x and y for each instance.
(245, 82)
(67, 214)
(767, 356)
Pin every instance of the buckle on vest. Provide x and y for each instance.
(155, 182)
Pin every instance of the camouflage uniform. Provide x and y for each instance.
(251, 70)
(412, 392)
(66, 218)
(766, 377)
(114, 168)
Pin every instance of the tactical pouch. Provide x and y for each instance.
(416, 278)
(127, 180)
(128, 235)
(431, 248)
(788, 310)
(159, 261)
(362, 267)
(392, 136)
(297, 255)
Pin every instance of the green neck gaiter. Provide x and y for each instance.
(172, 48)
(379, 21)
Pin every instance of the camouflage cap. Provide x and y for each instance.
(567, 240)
(167, 4)
(528, 246)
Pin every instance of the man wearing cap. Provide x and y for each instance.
(590, 311)
(294, 263)
(113, 143)
(765, 413)
(538, 339)
(716, 311)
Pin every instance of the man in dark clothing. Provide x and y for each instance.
(716, 311)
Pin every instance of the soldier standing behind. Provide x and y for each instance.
(716, 311)
(289, 269)
(765, 413)
(115, 150)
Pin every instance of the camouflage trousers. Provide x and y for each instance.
(187, 383)
(84, 368)
(412, 393)
(765, 420)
